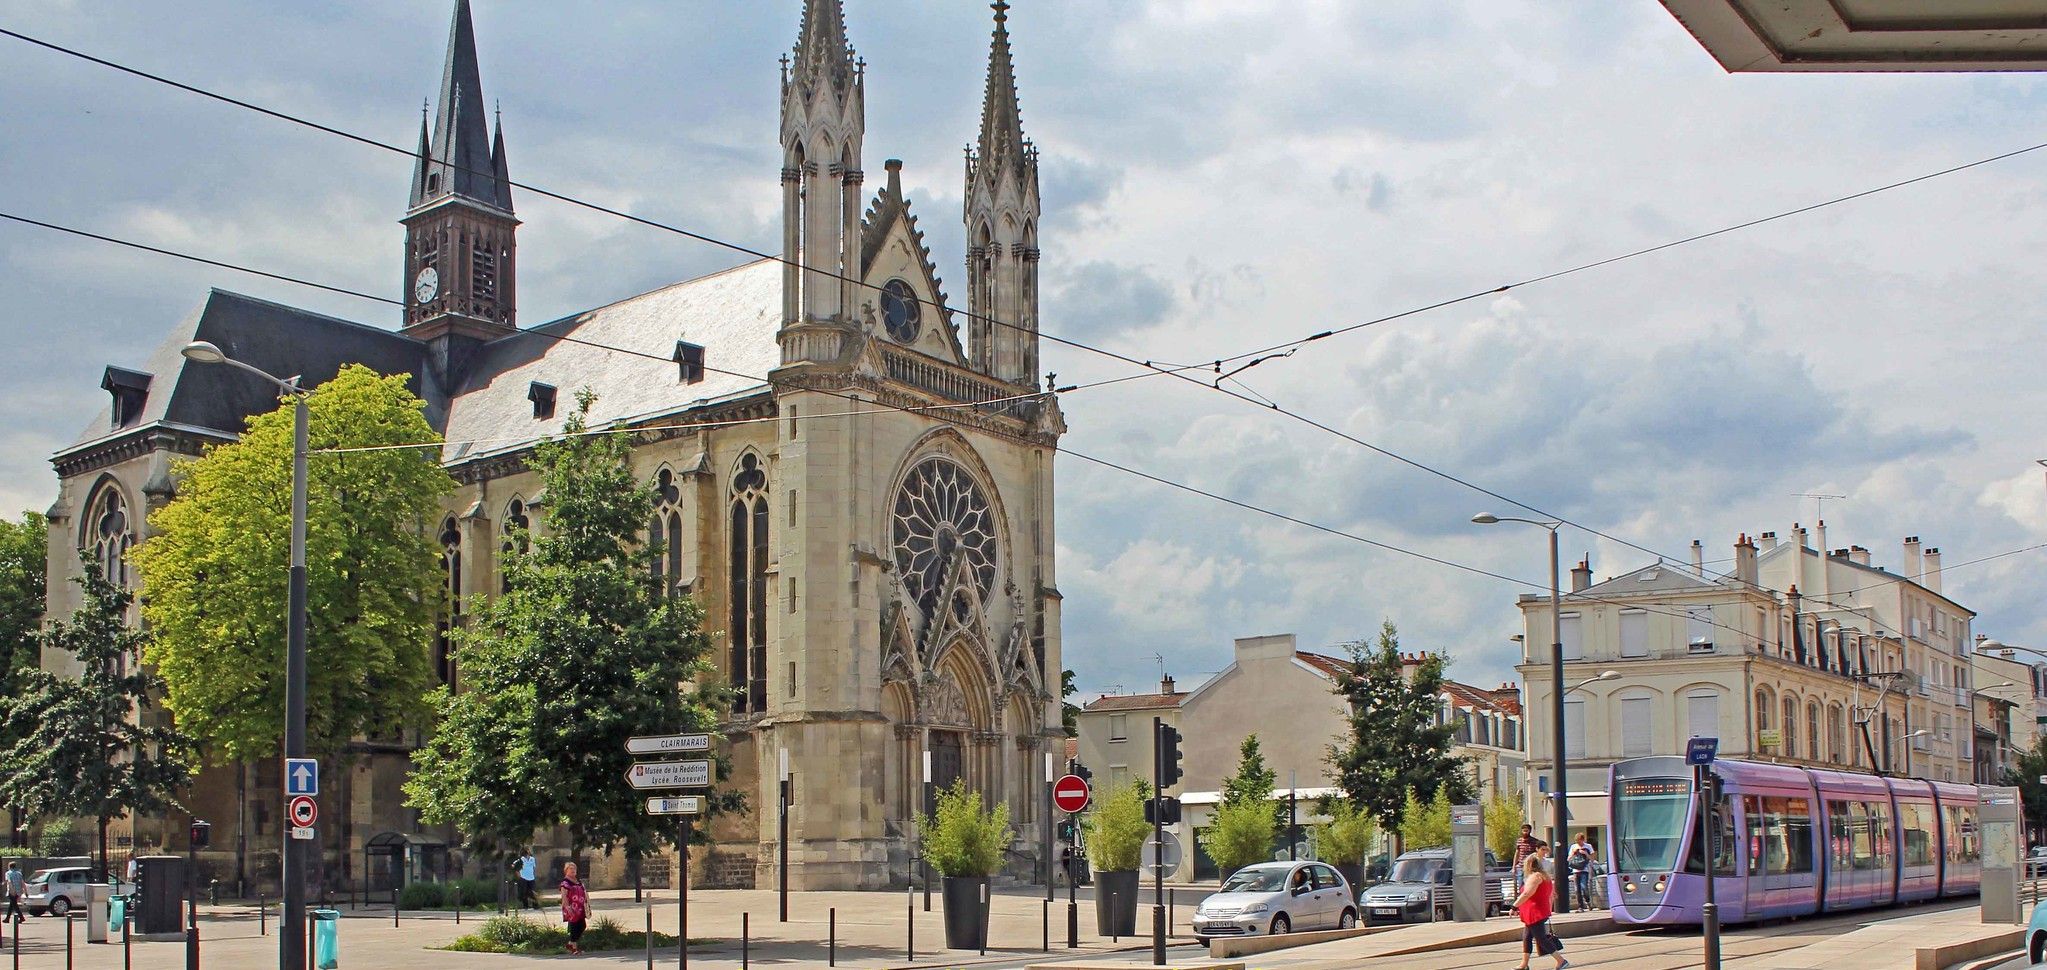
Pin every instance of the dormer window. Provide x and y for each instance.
(689, 362)
(542, 396)
(130, 389)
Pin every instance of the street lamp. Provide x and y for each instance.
(1556, 661)
(1905, 746)
(1603, 675)
(291, 942)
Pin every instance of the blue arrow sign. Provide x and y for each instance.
(301, 776)
(1700, 751)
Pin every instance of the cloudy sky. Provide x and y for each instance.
(1219, 175)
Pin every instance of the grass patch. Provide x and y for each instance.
(520, 935)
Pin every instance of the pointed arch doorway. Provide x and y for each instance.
(947, 749)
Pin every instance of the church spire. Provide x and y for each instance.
(462, 163)
(1002, 137)
(824, 121)
(822, 53)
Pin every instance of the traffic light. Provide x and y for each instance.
(201, 834)
(1169, 756)
(1066, 830)
(1080, 771)
(1162, 810)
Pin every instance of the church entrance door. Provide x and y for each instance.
(945, 765)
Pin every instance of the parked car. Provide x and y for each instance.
(60, 890)
(2036, 862)
(1417, 889)
(1275, 898)
(2036, 935)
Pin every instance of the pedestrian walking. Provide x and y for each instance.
(528, 872)
(575, 907)
(16, 888)
(1579, 861)
(1533, 906)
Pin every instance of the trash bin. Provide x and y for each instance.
(117, 913)
(96, 899)
(326, 939)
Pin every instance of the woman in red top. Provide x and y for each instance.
(1533, 905)
(575, 907)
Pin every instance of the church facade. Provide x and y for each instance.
(855, 478)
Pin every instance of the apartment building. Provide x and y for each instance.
(1797, 655)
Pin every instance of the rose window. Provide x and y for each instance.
(941, 518)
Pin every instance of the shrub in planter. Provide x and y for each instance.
(1115, 831)
(963, 840)
(1346, 839)
(1239, 835)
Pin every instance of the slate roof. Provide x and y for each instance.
(733, 315)
(283, 340)
(1656, 578)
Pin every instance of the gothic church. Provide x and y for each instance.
(881, 580)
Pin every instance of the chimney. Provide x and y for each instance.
(1166, 684)
(1798, 534)
(1581, 575)
(1745, 571)
(1912, 566)
(1698, 559)
(1769, 540)
(1858, 555)
(1819, 537)
(1932, 580)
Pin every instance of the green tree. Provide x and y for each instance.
(24, 546)
(215, 584)
(1239, 835)
(1068, 710)
(583, 650)
(88, 747)
(1347, 837)
(1426, 825)
(1394, 744)
(1115, 828)
(2025, 774)
(1254, 782)
(1504, 817)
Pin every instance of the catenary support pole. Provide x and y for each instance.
(1158, 836)
(1560, 792)
(1709, 914)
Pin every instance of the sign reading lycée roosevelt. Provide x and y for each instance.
(670, 774)
(669, 744)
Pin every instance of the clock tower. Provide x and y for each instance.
(460, 252)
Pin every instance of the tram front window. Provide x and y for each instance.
(1649, 823)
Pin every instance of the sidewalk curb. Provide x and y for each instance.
(1941, 957)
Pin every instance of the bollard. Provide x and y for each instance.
(831, 953)
(909, 922)
(192, 937)
(214, 888)
(1072, 921)
(458, 904)
(1172, 900)
(984, 911)
(394, 907)
(745, 941)
(127, 954)
(650, 938)
(69, 921)
(1045, 922)
(1114, 924)
(262, 916)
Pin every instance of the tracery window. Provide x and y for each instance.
(451, 569)
(518, 530)
(664, 532)
(748, 578)
(107, 537)
(941, 517)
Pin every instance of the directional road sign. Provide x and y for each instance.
(302, 812)
(1070, 794)
(301, 776)
(1150, 861)
(669, 744)
(685, 805)
(670, 774)
(1700, 751)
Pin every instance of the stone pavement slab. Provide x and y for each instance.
(1891, 943)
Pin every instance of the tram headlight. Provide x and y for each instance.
(1628, 887)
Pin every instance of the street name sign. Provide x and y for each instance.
(670, 774)
(1070, 794)
(669, 744)
(685, 805)
(1700, 751)
(301, 776)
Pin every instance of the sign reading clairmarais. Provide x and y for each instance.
(670, 774)
(669, 744)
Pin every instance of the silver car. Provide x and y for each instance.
(1275, 898)
(58, 891)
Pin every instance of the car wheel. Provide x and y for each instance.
(2036, 948)
(1281, 925)
(1201, 940)
(1349, 919)
(60, 907)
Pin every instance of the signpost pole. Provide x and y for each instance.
(1158, 835)
(1049, 844)
(682, 901)
(782, 849)
(1700, 752)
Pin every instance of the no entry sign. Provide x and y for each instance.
(1070, 794)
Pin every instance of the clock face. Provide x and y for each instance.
(900, 310)
(427, 285)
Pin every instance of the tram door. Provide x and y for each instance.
(1754, 862)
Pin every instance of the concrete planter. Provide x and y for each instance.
(1116, 903)
(966, 912)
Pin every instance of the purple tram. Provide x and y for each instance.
(1792, 841)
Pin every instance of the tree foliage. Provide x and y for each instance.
(89, 747)
(1115, 828)
(1347, 837)
(1240, 835)
(964, 837)
(1426, 825)
(1504, 816)
(1068, 710)
(1395, 744)
(2025, 774)
(24, 546)
(1254, 782)
(583, 650)
(216, 574)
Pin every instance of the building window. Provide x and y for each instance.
(1837, 733)
(1634, 633)
(1790, 724)
(518, 534)
(1699, 629)
(664, 532)
(542, 396)
(748, 582)
(1119, 727)
(1812, 730)
(1702, 714)
(107, 536)
(1571, 636)
(1574, 729)
(689, 362)
(451, 616)
(483, 271)
(1637, 729)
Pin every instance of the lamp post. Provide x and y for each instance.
(1556, 664)
(291, 943)
(1906, 747)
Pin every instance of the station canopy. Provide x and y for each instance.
(1868, 35)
